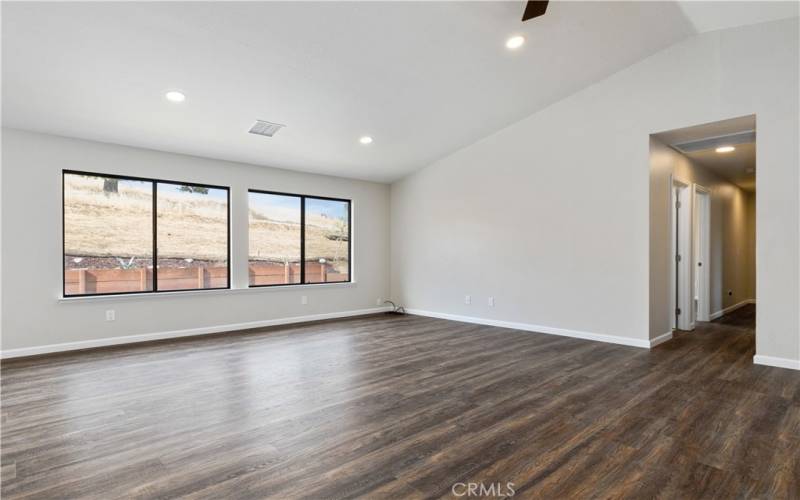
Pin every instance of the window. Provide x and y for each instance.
(275, 249)
(116, 227)
(327, 240)
(191, 236)
(108, 234)
(287, 229)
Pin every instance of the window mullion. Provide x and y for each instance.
(303, 240)
(155, 236)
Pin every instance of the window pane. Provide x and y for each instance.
(327, 241)
(108, 235)
(274, 239)
(192, 237)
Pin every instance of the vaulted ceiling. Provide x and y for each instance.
(422, 78)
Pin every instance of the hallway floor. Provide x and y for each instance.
(744, 317)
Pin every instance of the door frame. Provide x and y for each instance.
(701, 262)
(681, 255)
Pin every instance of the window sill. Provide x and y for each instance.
(193, 293)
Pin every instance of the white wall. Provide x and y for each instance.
(731, 267)
(550, 215)
(33, 316)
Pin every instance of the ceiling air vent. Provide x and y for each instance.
(260, 127)
(714, 142)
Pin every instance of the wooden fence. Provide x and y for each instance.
(83, 281)
(275, 273)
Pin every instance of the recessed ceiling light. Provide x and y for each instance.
(725, 149)
(365, 140)
(515, 42)
(175, 96)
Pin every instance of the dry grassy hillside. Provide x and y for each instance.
(120, 225)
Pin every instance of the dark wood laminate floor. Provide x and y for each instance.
(403, 407)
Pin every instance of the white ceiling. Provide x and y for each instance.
(711, 16)
(422, 78)
(739, 166)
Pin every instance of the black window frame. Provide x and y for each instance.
(154, 183)
(303, 238)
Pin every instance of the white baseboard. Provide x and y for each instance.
(190, 332)
(661, 339)
(792, 364)
(599, 337)
(730, 309)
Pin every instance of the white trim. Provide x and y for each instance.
(190, 293)
(792, 364)
(190, 332)
(661, 339)
(599, 337)
(730, 309)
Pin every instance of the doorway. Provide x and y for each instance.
(702, 225)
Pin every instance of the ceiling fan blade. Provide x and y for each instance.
(534, 8)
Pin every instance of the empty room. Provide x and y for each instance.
(400, 249)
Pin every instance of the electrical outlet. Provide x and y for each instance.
(491, 301)
(468, 299)
(379, 301)
(304, 300)
(111, 315)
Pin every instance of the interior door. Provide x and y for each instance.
(682, 236)
(702, 254)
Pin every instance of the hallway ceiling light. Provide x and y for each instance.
(365, 140)
(725, 149)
